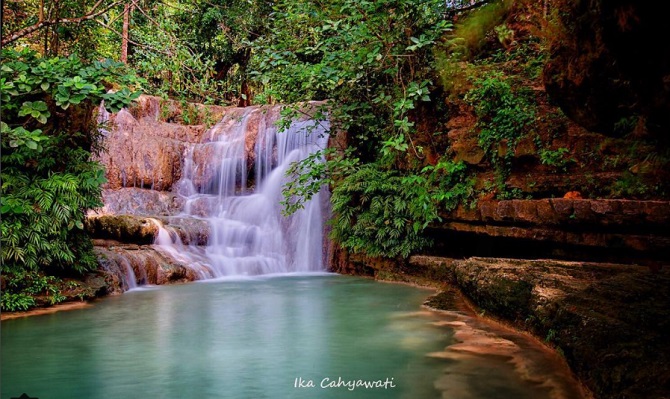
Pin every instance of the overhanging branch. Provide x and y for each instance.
(41, 24)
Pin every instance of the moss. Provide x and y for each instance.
(123, 228)
(508, 298)
(445, 300)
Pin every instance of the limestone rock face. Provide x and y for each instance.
(626, 225)
(464, 140)
(148, 267)
(123, 228)
(145, 153)
(137, 201)
(109, 230)
(145, 147)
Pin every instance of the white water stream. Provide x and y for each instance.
(248, 233)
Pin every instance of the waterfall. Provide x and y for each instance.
(242, 202)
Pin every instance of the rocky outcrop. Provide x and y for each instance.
(145, 153)
(138, 201)
(145, 147)
(148, 149)
(636, 229)
(608, 320)
(143, 264)
(122, 228)
(134, 229)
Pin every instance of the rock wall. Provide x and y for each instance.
(636, 231)
(145, 147)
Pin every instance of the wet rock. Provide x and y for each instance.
(133, 230)
(137, 201)
(191, 231)
(607, 320)
(145, 147)
(144, 266)
(123, 228)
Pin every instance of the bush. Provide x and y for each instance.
(504, 117)
(381, 213)
(48, 178)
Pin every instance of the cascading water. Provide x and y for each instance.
(248, 233)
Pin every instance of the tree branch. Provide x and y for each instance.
(134, 43)
(453, 11)
(41, 24)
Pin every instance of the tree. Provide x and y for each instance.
(127, 12)
(372, 61)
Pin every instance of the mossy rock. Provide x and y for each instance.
(123, 228)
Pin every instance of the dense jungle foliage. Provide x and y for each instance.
(48, 178)
(395, 74)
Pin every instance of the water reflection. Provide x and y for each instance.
(251, 339)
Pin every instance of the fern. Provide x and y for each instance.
(48, 178)
(380, 213)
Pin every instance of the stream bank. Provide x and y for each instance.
(606, 320)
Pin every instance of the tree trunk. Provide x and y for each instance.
(124, 33)
(55, 37)
(245, 95)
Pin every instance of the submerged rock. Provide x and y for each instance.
(607, 320)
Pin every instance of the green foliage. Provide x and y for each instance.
(503, 119)
(381, 213)
(625, 125)
(325, 167)
(48, 179)
(551, 336)
(16, 302)
(471, 33)
(630, 185)
(373, 62)
(25, 286)
(556, 158)
(198, 50)
(451, 184)
(307, 55)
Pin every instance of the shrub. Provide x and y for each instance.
(48, 178)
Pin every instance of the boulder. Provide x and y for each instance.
(122, 228)
(107, 230)
(146, 265)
